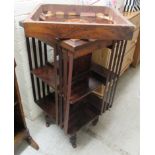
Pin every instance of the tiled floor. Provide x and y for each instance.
(117, 132)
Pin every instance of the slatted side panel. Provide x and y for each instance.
(116, 59)
(38, 57)
(110, 66)
(112, 69)
(122, 48)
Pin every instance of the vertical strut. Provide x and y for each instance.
(60, 83)
(118, 71)
(30, 66)
(45, 53)
(41, 64)
(69, 85)
(56, 82)
(111, 75)
(36, 65)
(114, 74)
(65, 71)
(107, 79)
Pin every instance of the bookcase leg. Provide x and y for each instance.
(48, 121)
(95, 121)
(73, 140)
(31, 142)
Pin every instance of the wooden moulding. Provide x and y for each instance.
(120, 29)
(81, 48)
(83, 112)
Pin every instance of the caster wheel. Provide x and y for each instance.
(95, 121)
(74, 145)
(47, 124)
(73, 141)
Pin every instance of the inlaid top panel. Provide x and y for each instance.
(78, 22)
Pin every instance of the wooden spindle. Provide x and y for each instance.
(46, 61)
(118, 73)
(41, 64)
(30, 66)
(36, 65)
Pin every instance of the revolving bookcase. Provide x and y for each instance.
(64, 87)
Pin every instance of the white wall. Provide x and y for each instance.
(22, 9)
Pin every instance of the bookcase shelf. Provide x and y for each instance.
(46, 74)
(83, 112)
(48, 105)
(73, 102)
(84, 87)
(81, 88)
(102, 72)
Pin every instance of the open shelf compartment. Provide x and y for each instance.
(83, 112)
(46, 74)
(48, 105)
(89, 81)
(82, 87)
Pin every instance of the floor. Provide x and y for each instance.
(117, 132)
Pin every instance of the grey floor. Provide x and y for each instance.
(117, 132)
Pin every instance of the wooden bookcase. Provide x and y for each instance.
(21, 131)
(64, 88)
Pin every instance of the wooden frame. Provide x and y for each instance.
(73, 77)
(49, 30)
(66, 99)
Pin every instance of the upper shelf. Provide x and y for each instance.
(46, 73)
(50, 21)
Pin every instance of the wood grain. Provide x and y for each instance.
(47, 30)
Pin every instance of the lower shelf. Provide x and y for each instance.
(83, 112)
(84, 87)
(48, 105)
(46, 74)
(102, 71)
(93, 80)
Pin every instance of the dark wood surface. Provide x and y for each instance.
(45, 73)
(83, 112)
(83, 48)
(84, 87)
(48, 105)
(81, 86)
(85, 77)
(119, 29)
(102, 71)
(73, 77)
